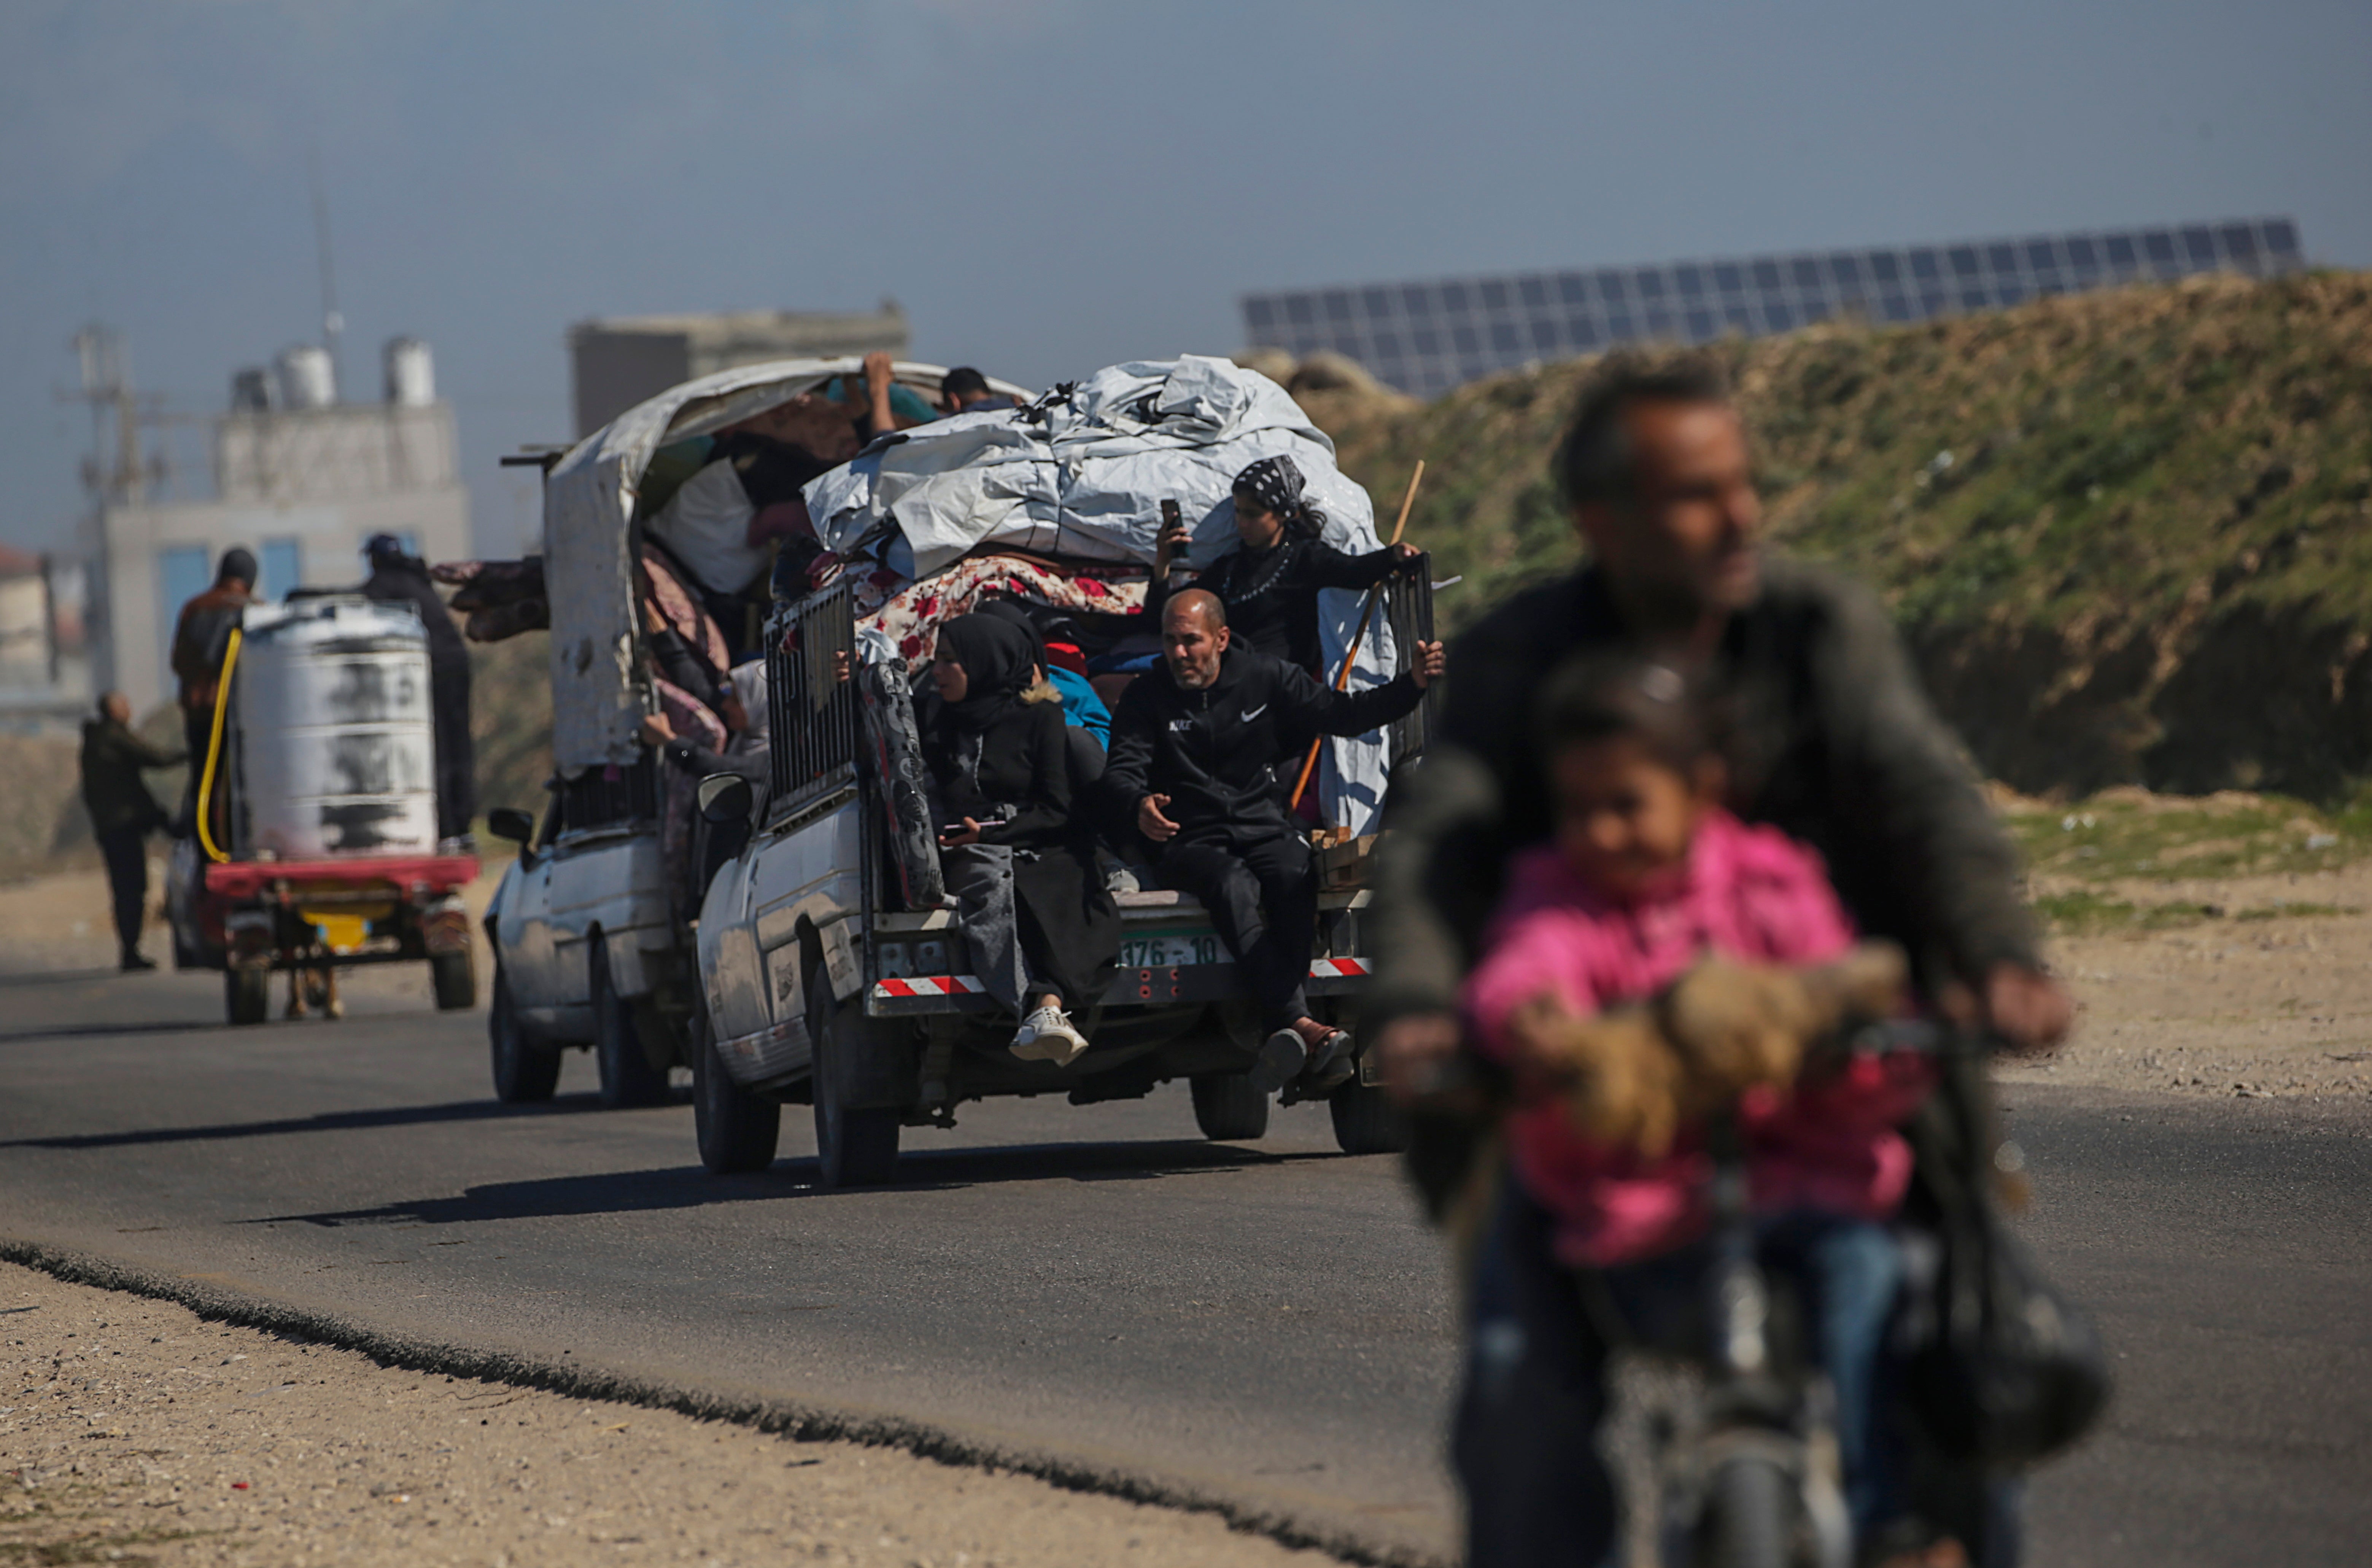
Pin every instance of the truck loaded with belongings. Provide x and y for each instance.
(834, 971)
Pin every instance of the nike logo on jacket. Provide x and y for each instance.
(1220, 753)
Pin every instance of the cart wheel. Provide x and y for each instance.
(853, 1147)
(1228, 1107)
(1367, 1122)
(524, 1072)
(247, 995)
(456, 979)
(737, 1130)
(627, 1077)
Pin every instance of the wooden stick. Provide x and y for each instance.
(1351, 653)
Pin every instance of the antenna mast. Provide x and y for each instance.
(332, 324)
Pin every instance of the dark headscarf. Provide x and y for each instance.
(1276, 484)
(1011, 612)
(998, 659)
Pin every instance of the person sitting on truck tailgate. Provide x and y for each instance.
(1201, 754)
(122, 814)
(1270, 585)
(201, 639)
(400, 577)
(1043, 931)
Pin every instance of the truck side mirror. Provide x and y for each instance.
(510, 822)
(725, 798)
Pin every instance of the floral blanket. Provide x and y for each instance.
(908, 614)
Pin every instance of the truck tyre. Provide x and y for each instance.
(524, 1072)
(737, 1130)
(628, 1079)
(855, 1147)
(247, 995)
(1367, 1122)
(455, 976)
(1228, 1107)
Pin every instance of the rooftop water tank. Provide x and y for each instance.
(309, 379)
(337, 752)
(410, 373)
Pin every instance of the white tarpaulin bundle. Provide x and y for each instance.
(1082, 477)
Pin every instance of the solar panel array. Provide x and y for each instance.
(1428, 337)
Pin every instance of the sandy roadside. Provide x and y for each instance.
(131, 1430)
(2247, 1007)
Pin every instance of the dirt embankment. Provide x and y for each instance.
(2128, 534)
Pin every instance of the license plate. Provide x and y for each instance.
(1170, 949)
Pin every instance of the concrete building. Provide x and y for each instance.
(619, 361)
(301, 481)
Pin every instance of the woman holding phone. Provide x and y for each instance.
(1270, 584)
(1043, 931)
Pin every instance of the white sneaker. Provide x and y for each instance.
(1026, 1045)
(1051, 1037)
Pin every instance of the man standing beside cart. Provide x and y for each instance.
(1203, 750)
(200, 640)
(122, 815)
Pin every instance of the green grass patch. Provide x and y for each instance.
(2123, 835)
(2084, 912)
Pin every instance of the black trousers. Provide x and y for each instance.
(197, 729)
(1261, 889)
(457, 784)
(127, 850)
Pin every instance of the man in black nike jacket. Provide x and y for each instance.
(1201, 753)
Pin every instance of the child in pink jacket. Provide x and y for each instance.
(1647, 875)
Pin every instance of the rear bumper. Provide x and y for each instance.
(906, 996)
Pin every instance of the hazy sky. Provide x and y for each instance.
(1050, 185)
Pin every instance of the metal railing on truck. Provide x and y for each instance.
(608, 798)
(1407, 608)
(813, 746)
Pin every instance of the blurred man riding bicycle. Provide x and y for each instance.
(1826, 745)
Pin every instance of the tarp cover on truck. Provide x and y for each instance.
(589, 503)
(1080, 475)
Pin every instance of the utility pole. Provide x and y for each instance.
(107, 387)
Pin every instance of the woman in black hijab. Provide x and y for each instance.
(1270, 585)
(1043, 931)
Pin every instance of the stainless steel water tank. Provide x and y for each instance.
(337, 750)
(410, 373)
(308, 378)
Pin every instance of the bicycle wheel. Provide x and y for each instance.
(1749, 1516)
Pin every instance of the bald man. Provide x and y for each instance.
(1204, 748)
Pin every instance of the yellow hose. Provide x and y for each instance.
(214, 748)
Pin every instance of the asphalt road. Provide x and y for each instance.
(1267, 1324)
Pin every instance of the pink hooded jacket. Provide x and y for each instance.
(1744, 892)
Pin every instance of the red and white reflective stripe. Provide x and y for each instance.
(931, 985)
(1337, 969)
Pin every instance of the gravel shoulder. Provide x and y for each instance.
(2279, 1005)
(133, 1431)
